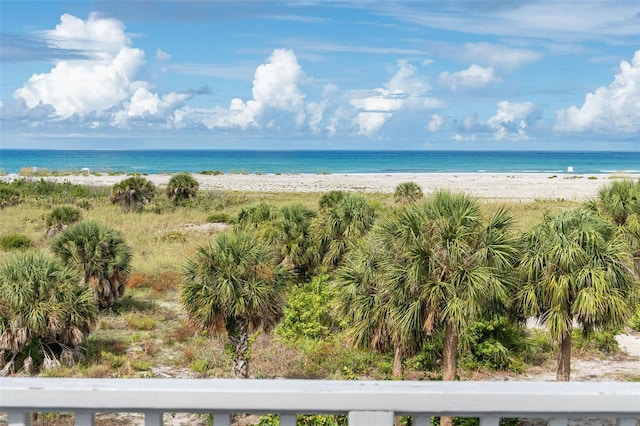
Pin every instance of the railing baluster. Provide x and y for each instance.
(370, 418)
(152, 418)
(19, 418)
(84, 419)
(489, 421)
(288, 419)
(221, 419)
(627, 422)
(558, 421)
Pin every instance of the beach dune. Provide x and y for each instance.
(493, 186)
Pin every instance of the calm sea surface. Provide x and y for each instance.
(171, 161)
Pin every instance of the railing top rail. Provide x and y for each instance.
(320, 396)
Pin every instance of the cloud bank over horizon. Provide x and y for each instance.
(105, 77)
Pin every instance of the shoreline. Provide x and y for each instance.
(492, 186)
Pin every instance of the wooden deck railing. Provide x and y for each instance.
(367, 403)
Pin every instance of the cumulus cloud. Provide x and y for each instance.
(436, 123)
(370, 122)
(405, 90)
(512, 119)
(473, 77)
(144, 104)
(99, 84)
(275, 88)
(614, 108)
(91, 85)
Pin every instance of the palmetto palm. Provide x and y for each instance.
(234, 284)
(101, 256)
(451, 263)
(407, 192)
(133, 193)
(366, 305)
(620, 202)
(181, 187)
(293, 230)
(43, 300)
(337, 227)
(575, 267)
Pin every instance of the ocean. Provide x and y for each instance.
(289, 162)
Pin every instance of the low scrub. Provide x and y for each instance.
(15, 242)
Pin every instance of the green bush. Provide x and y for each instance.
(133, 193)
(9, 196)
(635, 319)
(60, 218)
(181, 187)
(219, 218)
(15, 242)
(308, 312)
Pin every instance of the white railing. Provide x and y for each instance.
(367, 403)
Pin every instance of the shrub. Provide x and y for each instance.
(635, 319)
(407, 192)
(133, 193)
(181, 187)
(101, 256)
(44, 307)
(308, 313)
(140, 322)
(9, 196)
(15, 242)
(60, 218)
(219, 218)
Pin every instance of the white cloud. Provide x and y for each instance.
(85, 86)
(473, 77)
(143, 103)
(275, 88)
(161, 55)
(405, 90)
(511, 120)
(370, 122)
(315, 111)
(463, 138)
(436, 123)
(614, 108)
(102, 83)
(497, 55)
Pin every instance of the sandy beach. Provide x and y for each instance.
(492, 186)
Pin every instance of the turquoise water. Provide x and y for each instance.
(171, 161)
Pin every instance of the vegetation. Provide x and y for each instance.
(407, 192)
(182, 187)
(133, 193)
(368, 284)
(60, 218)
(46, 314)
(234, 285)
(15, 242)
(100, 255)
(575, 269)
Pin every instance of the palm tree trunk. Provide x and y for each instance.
(397, 362)
(450, 360)
(450, 353)
(563, 374)
(239, 339)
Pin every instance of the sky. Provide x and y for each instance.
(309, 75)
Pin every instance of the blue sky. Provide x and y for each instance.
(447, 75)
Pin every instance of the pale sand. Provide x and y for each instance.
(493, 186)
